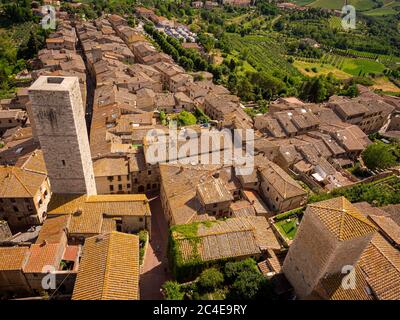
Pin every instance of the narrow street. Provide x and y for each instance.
(154, 272)
(155, 269)
(90, 89)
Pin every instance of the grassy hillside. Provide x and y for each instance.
(389, 8)
(368, 7)
(314, 69)
(361, 5)
(263, 52)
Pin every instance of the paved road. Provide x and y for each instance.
(155, 262)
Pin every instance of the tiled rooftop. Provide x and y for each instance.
(341, 218)
(109, 269)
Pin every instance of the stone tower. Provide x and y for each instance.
(57, 111)
(332, 235)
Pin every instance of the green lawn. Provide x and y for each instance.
(322, 69)
(246, 67)
(287, 227)
(389, 8)
(354, 66)
(367, 6)
(360, 5)
(384, 11)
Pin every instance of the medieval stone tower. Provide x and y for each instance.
(332, 235)
(57, 111)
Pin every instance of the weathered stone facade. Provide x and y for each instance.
(60, 123)
(25, 212)
(317, 252)
(5, 231)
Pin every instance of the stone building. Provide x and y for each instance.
(60, 124)
(215, 197)
(332, 235)
(279, 189)
(368, 111)
(5, 231)
(11, 118)
(12, 279)
(24, 193)
(56, 257)
(168, 71)
(145, 177)
(99, 214)
(217, 106)
(112, 175)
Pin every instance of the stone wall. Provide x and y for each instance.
(308, 256)
(57, 111)
(5, 231)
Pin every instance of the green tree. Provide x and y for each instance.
(250, 286)
(233, 269)
(351, 91)
(211, 279)
(186, 63)
(186, 119)
(172, 291)
(378, 156)
(314, 90)
(245, 89)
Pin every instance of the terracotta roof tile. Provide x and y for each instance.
(88, 213)
(19, 183)
(53, 229)
(331, 287)
(388, 226)
(285, 185)
(109, 269)
(235, 237)
(42, 255)
(341, 218)
(13, 258)
(380, 263)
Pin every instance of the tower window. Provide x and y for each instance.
(63, 162)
